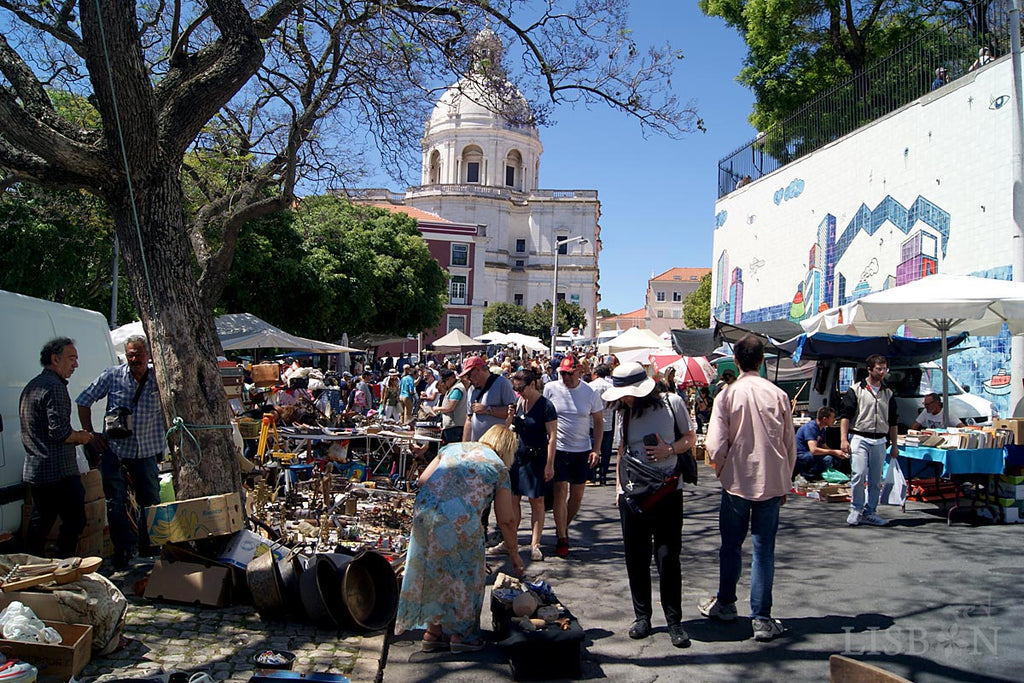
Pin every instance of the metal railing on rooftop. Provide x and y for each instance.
(903, 76)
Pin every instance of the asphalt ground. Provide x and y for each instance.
(924, 600)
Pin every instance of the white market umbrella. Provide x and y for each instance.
(532, 343)
(119, 335)
(937, 304)
(246, 331)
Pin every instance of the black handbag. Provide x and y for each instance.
(117, 423)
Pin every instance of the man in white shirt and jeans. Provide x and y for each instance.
(576, 451)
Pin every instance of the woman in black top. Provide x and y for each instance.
(535, 423)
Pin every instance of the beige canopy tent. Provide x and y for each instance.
(457, 341)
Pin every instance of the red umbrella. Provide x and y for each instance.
(691, 371)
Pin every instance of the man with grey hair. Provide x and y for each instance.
(128, 461)
(51, 467)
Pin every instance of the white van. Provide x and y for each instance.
(910, 384)
(25, 325)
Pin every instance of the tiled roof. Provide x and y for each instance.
(638, 314)
(681, 274)
(418, 214)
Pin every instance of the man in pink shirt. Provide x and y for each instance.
(753, 449)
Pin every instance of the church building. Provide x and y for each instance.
(481, 167)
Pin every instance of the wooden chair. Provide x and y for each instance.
(845, 670)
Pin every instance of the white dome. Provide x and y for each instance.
(472, 103)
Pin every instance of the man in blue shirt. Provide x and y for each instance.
(131, 460)
(811, 458)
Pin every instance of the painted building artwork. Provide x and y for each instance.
(889, 204)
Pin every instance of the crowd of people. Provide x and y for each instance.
(512, 427)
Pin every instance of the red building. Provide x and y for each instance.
(455, 246)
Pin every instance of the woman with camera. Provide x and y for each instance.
(656, 429)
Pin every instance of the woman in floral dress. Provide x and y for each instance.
(443, 585)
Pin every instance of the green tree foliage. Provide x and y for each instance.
(570, 316)
(697, 305)
(505, 317)
(798, 50)
(604, 313)
(59, 246)
(333, 267)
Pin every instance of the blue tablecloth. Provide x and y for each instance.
(966, 461)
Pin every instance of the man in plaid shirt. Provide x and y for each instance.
(51, 467)
(132, 461)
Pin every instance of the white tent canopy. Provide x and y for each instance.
(938, 304)
(457, 341)
(493, 338)
(634, 338)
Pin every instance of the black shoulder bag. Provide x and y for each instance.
(643, 485)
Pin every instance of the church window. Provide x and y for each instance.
(517, 299)
(473, 172)
(520, 246)
(510, 176)
(472, 163)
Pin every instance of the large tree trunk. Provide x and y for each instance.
(181, 333)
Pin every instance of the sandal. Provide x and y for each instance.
(436, 644)
(467, 646)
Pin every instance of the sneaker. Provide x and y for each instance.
(873, 519)
(766, 629)
(678, 635)
(562, 547)
(640, 629)
(713, 608)
(535, 554)
(853, 519)
(499, 549)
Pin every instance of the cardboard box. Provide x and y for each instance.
(96, 544)
(1010, 479)
(93, 483)
(246, 546)
(1014, 424)
(56, 662)
(190, 583)
(1012, 515)
(266, 374)
(193, 519)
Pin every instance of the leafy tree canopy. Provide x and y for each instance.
(333, 267)
(798, 49)
(505, 317)
(697, 305)
(604, 313)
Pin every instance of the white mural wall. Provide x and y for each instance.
(926, 189)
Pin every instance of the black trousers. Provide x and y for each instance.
(658, 531)
(65, 499)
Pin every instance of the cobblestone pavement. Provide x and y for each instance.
(164, 637)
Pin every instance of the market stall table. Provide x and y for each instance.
(969, 463)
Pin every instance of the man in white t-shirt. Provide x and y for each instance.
(579, 409)
(931, 416)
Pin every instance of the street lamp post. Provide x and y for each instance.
(554, 293)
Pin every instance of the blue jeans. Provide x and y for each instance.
(735, 516)
(866, 459)
(126, 533)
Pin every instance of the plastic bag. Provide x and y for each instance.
(834, 476)
(18, 622)
(894, 485)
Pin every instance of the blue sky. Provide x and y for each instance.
(657, 195)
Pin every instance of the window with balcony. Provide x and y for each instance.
(563, 248)
(677, 296)
(460, 254)
(457, 290)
